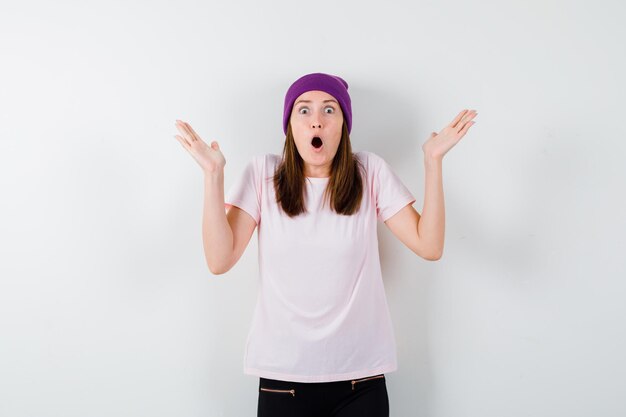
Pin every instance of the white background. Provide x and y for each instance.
(107, 307)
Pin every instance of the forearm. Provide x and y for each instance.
(431, 226)
(217, 235)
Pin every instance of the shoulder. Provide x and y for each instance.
(370, 160)
(265, 165)
(368, 156)
(266, 158)
(270, 162)
(262, 161)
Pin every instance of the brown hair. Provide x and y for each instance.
(345, 185)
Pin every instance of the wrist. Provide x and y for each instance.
(212, 175)
(432, 160)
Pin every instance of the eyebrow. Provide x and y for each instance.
(308, 101)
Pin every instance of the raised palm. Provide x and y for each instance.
(210, 158)
(438, 144)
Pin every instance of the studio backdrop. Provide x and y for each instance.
(107, 306)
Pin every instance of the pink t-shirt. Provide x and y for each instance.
(321, 313)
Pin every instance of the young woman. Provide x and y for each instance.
(321, 338)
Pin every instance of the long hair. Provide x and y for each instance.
(345, 185)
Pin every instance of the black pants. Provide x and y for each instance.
(362, 397)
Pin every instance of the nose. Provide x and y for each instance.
(317, 125)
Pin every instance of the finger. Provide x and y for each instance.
(465, 128)
(461, 127)
(193, 132)
(458, 118)
(182, 141)
(183, 130)
(465, 119)
(192, 136)
(187, 129)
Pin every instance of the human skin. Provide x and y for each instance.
(320, 116)
(217, 233)
(424, 234)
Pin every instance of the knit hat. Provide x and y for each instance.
(331, 84)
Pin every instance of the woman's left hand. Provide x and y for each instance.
(438, 144)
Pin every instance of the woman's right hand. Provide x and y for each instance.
(210, 158)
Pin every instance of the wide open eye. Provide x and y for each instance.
(333, 110)
(303, 108)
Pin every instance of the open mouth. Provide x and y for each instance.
(316, 142)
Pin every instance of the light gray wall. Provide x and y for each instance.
(106, 305)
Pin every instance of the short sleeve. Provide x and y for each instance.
(391, 194)
(245, 192)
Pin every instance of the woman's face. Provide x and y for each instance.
(316, 114)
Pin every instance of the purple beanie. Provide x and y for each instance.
(331, 84)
